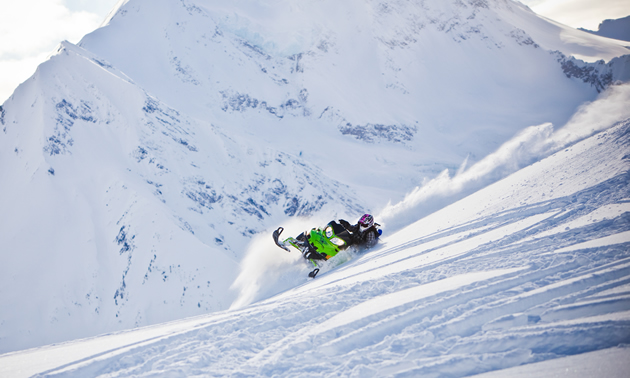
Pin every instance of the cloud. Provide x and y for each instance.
(15, 71)
(580, 13)
(29, 30)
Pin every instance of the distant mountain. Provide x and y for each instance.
(616, 29)
(137, 165)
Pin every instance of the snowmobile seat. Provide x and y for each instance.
(341, 232)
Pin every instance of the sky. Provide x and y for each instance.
(31, 29)
(580, 13)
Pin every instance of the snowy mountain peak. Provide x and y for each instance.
(616, 29)
(138, 165)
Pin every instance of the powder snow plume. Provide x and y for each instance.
(267, 269)
(530, 145)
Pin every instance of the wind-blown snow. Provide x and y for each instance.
(530, 145)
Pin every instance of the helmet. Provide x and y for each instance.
(366, 221)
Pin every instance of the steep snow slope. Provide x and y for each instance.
(532, 268)
(97, 179)
(137, 165)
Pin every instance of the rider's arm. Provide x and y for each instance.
(348, 226)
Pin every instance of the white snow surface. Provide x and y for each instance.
(142, 170)
(491, 282)
(610, 363)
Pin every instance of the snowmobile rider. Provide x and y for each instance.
(324, 243)
(364, 232)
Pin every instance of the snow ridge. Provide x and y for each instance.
(617, 29)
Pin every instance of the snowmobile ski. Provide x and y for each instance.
(313, 273)
(276, 236)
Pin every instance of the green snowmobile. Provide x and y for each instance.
(320, 244)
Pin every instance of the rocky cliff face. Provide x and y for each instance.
(600, 75)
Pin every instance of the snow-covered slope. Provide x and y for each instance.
(109, 225)
(136, 166)
(532, 268)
